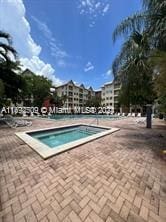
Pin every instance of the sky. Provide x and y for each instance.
(67, 39)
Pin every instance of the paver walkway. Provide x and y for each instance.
(117, 178)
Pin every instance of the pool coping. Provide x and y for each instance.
(45, 151)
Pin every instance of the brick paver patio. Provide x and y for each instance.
(120, 177)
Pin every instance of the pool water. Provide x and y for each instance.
(79, 116)
(59, 137)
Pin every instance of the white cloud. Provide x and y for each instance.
(13, 21)
(93, 9)
(106, 8)
(61, 63)
(43, 27)
(108, 74)
(40, 68)
(88, 67)
(55, 48)
(12, 17)
(97, 4)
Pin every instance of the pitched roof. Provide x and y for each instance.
(90, 88)
(28, 72)
(71, 82)
(82, 86)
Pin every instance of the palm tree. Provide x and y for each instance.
(9, 67)
(159, 64)
(6, 50)
(146, 32)
(133, 52)
(132, 68)
(152, 20)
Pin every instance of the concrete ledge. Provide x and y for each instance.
(45, 151)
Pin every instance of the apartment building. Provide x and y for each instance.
(98, 94)
(117, 86)
(76, 96)
(109, 95)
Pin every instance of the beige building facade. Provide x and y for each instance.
(109, 95)
(76, 96)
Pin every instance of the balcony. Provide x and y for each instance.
(116, 100)
(70, 100)
(117, 87)
(70, 94)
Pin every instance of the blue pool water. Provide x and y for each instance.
(54, 138)
(79, 116)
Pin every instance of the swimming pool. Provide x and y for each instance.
(54, 138)
(80, 116)
(51, 141)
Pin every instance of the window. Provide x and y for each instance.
(70, 94)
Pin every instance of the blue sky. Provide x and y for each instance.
(68, 39)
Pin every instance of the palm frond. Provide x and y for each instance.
(134, 52)
(153, 4)
(8, 48)
(124, 56)
(3, 56)
(6, 36)
(130, 24)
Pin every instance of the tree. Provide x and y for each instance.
(137, 90)
(147, 32)
(2, 90)
(36, 89)
(134, 52)
(151, 19)
(159, 64)
(57, 100)
(132, 68)
(93, 102)
(6, 50)
(41, 89)
(9, 69)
